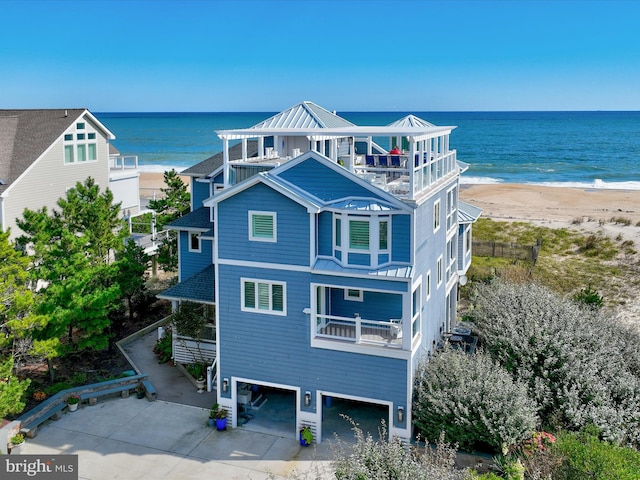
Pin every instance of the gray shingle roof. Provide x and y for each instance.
(211, 164)
(26, 134)
(196, 220)
(199, 288)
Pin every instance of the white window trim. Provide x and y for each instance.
(274, 217)
(374, 249)
(437, 216)
(439, 271)
(75, 143)
(270, 311)
(197, 235)
(359, 298)
(427, 286)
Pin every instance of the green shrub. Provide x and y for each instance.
(590, 297)
(473, 401)
(57, 387)
(163, 347)
(587, 457)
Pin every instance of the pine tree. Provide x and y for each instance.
(175, 203)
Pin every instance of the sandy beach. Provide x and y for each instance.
(152, 182)
(552, 204)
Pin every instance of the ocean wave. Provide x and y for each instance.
(467, 180)
(159, 168)
(597, 184)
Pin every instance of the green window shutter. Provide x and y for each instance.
(263, 296)
(262, 226)
(278, 298)
(359, 234)
(249, 295)
(383, 235)
(338, 232)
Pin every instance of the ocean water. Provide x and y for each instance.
(572, 149)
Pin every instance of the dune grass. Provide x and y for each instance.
(569, 260)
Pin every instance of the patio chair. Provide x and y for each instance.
(370, 161)
(383, 161)
(395, 161)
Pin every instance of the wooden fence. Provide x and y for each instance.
(507, 250)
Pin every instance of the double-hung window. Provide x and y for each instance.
(263, 226)
(264, 296)
(436, 216)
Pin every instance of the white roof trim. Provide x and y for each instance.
(417, 133)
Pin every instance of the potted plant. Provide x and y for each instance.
(16, 443)
(212, 415)
(140, 391)
(306, 436)
(72, 402)
(220, 415)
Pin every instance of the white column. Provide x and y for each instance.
(225, 163)
(244, 149)
(260, 147)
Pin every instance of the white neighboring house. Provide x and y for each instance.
(44, 153)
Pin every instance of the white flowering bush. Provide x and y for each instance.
(390, 459)
(473, 400)
(581, 366)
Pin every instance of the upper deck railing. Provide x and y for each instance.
(123, 162)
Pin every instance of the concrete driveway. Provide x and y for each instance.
(135, 439)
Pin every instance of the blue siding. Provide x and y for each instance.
(359, 259)
(325, 233)
(277, 349)
(192, 262)
(375, 305)
(293, 234)
(323, 182)
(401, 238)
(199, 193)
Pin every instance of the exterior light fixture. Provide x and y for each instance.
(225, 385)
(307, 398)
(400, 414)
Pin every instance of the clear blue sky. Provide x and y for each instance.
(198, 55)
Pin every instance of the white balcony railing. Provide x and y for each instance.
(122, 162)
(359, 330)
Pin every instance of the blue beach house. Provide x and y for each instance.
(327, 268)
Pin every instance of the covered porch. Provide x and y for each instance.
(360, 317)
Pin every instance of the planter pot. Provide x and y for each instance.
(200, 385)
(212, 422)
(221, 423)
(303, 442)
(16, 449)
(72, 407)
(139, 395)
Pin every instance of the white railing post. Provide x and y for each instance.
(358, 328)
